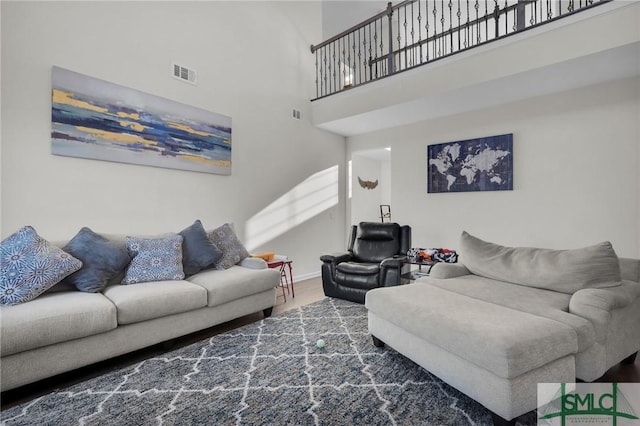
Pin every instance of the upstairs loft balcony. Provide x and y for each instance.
(423, 59)
(417, 32)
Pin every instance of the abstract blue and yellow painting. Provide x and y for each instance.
(96, 119)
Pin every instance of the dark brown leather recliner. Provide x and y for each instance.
(376, 257)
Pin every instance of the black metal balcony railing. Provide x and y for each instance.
(416, 32)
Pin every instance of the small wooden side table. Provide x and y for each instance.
(286, 280)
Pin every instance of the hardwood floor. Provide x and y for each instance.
(306, 292)
(621, 373)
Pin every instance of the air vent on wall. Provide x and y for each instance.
(183, 73)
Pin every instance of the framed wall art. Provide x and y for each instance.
(92, 118)
(481, 164)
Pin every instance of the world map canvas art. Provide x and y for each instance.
(96, 119)
(482, 164)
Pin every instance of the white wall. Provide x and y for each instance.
(385, 181)
(253, 64)
(338, 16)
(576, 178)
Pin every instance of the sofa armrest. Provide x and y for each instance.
(597, 304)
(448, 270)
(253, 263)
(335, 258)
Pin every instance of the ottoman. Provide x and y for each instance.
(494, 354)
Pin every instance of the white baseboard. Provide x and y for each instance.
(297, 278)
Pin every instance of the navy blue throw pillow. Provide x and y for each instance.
(101, 259)
(198, 252)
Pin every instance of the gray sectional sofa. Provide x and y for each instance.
(64, 329)
(509, 318)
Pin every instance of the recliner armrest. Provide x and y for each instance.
(335, 258)
(394, 262)
(391, 270)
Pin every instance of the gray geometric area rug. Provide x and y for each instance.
(268, 372)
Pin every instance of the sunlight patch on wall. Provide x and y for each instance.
(309, 198)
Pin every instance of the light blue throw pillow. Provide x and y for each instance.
(154, 259)
(31, 266)
(101, 259)
(233, 251)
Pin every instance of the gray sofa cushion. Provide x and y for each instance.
(544, 303)
(53, 318)
(154, 299)
(566, 271)
(501, 340)
(234, 283)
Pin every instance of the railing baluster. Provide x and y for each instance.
(459, 13)
(406, 40)
(469, 26)
(399, 40)
(324, 51)
(426, 26)
(342, 71)
(352, 65)
(412, 54)
(450, 26)
(357, 58)
(349, 64)
(477, 7)
(375, 47)
(486, 21)
(333, 67)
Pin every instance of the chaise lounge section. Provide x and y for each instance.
(510, 318)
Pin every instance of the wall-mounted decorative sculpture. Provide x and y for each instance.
(367, 184)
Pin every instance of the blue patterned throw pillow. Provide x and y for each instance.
(154, 259)
(233, 252)
(31, 266)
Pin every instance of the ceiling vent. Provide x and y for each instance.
(183, 73)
